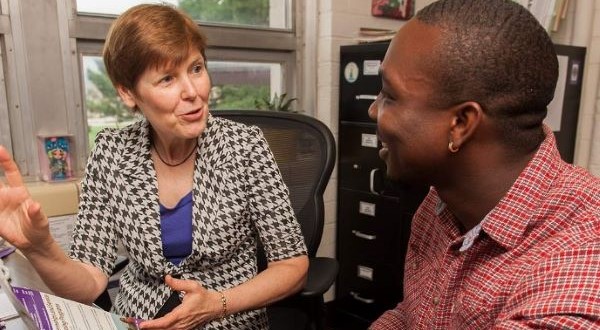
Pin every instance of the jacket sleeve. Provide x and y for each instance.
(270, 204)
(94, 236)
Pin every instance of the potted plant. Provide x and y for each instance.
(277, 103)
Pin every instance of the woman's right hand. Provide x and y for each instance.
(22, 222)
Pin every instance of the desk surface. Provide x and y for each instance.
(22, 274)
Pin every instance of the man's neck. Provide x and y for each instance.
(478, 189)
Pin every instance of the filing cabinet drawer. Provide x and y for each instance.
(354, 105)
(371, 289)
(373, 279)
(375, 246)
(359, 164)
(360, 167)
(360, 81)
(384, 217)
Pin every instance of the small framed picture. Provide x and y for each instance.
(56, 155)
(399, 9)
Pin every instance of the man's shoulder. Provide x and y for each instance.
(576, 194)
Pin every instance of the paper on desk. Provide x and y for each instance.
(39, 310)
(61, 228)
(52, 312)
(7, 311)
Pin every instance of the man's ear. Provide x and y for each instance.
(126, 96)
(466, 118)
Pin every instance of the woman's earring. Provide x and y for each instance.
(453, 149)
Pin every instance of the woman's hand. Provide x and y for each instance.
(22, 222)
(198, 307)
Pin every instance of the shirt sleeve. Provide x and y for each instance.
(392, 319)
(94, 235)
(270, 204)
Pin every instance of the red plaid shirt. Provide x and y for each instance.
(535, 264)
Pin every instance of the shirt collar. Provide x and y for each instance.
(508, 220)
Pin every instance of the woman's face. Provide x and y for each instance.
(173, 99)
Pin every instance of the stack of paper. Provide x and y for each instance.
(367, 35)
(44, 311)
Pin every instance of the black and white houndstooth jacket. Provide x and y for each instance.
(239, 198)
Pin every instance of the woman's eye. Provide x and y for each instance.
(197, 68)
(166, 79)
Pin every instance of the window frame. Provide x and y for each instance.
(5, 127)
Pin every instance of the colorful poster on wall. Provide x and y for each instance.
(399, 9)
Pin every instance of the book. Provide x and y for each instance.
(366, 35)
(43, 311)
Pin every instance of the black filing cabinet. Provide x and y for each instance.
(373, 222)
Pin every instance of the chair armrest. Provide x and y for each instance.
(321, 275)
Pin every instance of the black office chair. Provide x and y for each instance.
(304, 150)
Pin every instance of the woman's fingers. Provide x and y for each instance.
(11, 198)
(182, 285)
(11, 171)
(34, 211)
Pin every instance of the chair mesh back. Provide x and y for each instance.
(303, 149)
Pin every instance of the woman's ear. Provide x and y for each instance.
(466, 118)
(126, 96)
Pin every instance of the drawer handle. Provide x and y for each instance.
(363, 235)
(361, 299)
(366, 97)
(372, 181)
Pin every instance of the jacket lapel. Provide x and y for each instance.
(213, 157)
(142, 196)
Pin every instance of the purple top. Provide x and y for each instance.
(176, 230)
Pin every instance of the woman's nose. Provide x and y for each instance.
(188, 89)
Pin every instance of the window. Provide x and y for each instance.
(238, 85)
(5, 136)
(103, 107)
(273, 14)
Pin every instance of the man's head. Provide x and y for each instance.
(463, 70)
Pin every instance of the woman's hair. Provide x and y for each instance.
(149, 36)
(496, 54)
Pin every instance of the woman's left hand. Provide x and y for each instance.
(198, 307)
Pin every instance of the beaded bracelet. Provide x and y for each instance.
(223, 305)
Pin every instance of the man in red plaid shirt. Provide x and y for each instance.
(509, 235)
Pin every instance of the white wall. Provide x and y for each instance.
(338, 24)
(590, 121)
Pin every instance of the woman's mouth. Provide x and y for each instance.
(192, 115)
